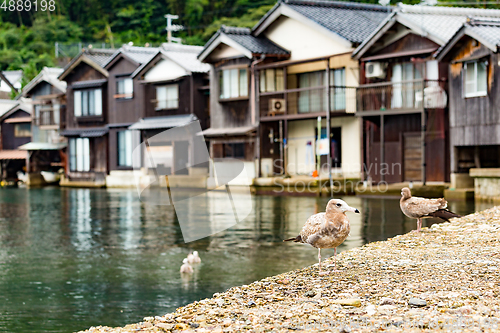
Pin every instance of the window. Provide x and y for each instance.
(337, 93)
(167, 97)
(271, 80)
(233, 83)
(88, 102)
(403, 92)
(124, 148)
(475, 78)
(311, 100)
(79, 154)
(234, 150)
(124, 88)
(22, 130)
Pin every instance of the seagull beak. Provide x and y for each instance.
(354, 210)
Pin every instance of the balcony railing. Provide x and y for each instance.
(403, 96)
(307, 101)
(47, 118)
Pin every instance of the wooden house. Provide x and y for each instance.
(175, 88)
(474, 79)
(86, 117)
(46, 149)
(233, 54)
(125, 105)
(15, 130)
(403, 94)
(302, 78)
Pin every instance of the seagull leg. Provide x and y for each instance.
(419, 224)
(319, 258)
(335, 259)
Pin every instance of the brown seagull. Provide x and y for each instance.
(326, 230)
(421, 208)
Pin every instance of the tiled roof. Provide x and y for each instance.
(488, 33)
(139, 54)
(243, 37)
(352, 21)
(183, 55)
(49, 75)
(163, 122)
(441, 22)
(99, 56)
(258, 45)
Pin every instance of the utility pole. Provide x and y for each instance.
(172, 27)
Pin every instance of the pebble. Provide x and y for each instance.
(448, 271)
(417, 302)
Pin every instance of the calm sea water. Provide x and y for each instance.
(74, 258)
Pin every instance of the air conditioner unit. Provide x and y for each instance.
(435, 98)
(277, 105)
(375, 70)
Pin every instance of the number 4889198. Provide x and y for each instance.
(27, 5)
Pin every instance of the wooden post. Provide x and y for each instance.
(382, 148)
(423, 119)
(328, 125)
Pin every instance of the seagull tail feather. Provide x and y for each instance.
(295, 239)
(444, 214)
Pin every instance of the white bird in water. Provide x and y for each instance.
(420, 208)
(326, 230)
(186, 267)
(194, 258)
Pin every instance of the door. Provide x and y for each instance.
(412, 154)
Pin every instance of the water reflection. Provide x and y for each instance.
(73, 258)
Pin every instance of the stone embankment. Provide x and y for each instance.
(446, 278)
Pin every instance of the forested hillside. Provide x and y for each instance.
(27, 37)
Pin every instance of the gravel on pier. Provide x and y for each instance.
(446, 278)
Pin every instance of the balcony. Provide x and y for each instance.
(48, 118)
(411, 96)
(301, 103)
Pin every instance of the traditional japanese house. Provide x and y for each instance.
(232, 54)
(125, 104)
(302, 80)
(175, 90)
(306, 104)
(86, 118)
(403, 94)
(15, 130)
(46, 157)
(474, 78)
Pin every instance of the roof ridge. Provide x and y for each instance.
(235, 30)
(458, 11)
(337, 3)
(490, 21)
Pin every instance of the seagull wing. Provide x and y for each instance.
(312, 226)
(423, 207)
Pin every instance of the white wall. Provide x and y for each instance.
(303, 41)
(299, 132)
(224, 51)
(166, 69)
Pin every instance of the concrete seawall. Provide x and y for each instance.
(446, 278)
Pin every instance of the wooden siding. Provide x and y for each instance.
(228, 114)
(400, 151)
(124, 110)
(84, 72)
(474, 121)
(9, 141)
